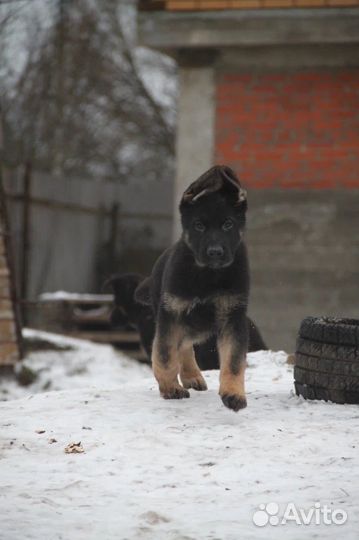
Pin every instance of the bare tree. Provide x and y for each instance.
(81, 104)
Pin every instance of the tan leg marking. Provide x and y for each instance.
(231, 388)
(166, 373)
(190, 373)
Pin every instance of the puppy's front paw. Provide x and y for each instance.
(197, 383)
(235, 402)
(175, 392)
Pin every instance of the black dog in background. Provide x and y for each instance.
(128, 311)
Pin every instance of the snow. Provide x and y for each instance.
(156, 469)
(75, 297)
(82, 365)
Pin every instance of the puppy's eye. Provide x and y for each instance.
(227, 225)
(199, 226)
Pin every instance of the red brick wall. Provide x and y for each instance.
(292, 130)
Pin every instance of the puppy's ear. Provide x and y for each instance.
(143, 292)
(115, 282)
(231, 177)
(215, 179)
(208, 182)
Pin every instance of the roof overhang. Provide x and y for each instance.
(169, 31)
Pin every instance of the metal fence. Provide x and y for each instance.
(66, 232)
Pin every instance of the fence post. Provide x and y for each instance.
(26, 234)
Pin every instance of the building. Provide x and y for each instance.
(271, 88)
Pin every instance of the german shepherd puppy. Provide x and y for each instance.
(128, 312)
(199, 288)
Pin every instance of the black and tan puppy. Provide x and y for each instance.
(129, 312)
(199, 288)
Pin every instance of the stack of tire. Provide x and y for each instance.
(327, 360)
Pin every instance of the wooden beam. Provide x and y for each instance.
(220, 5)
(26, 234)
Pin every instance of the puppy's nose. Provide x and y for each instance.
(215, 252)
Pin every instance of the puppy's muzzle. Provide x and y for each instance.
(215, 253)
(217, 257)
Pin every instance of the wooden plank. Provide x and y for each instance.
(5, 305)
(246, 4)
(182, 5)
(106, 336)
(342, 3)
(309, 3)
(208, 5)
(10, 327)
(99, 315)
(76, 299)
(6, 315)
(150, 5)
(213, 4)
(7, 330)
(9, 353)
(278, 3)
(26, 234)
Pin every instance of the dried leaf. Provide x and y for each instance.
(52, 440)
(74, 448)
(291, 359)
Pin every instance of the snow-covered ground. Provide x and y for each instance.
(81, 364)
(155, 469)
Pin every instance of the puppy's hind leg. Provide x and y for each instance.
(190, 373)
(165, 364)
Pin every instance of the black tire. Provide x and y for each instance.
(326, 380)
(326, 365)
(329, 351)
(327, 360)
(326, 394)
(330, 330)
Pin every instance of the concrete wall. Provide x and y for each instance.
(171, 31)
(304, 257)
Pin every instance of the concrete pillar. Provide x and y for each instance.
(195, 130)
